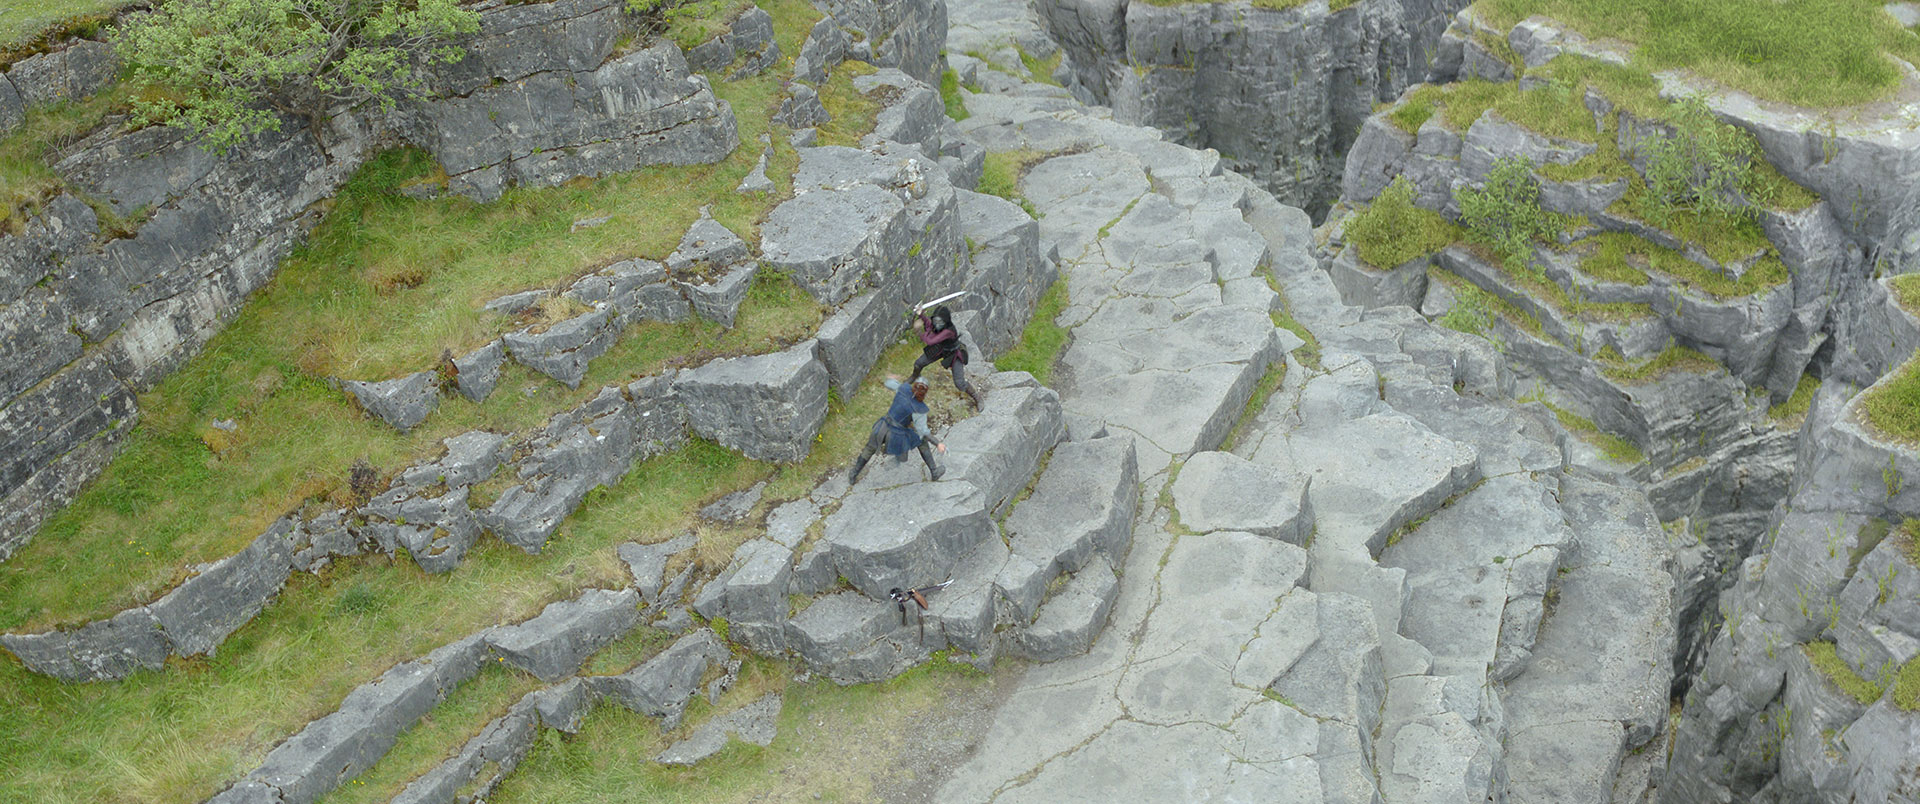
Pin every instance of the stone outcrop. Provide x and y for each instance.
(1278, 93)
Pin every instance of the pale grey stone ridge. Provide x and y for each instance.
(223, 595)
(402, 402)
(1068, 622)
(1082, 505)
(563, 350)
(648, 562)
(584, 448)
(906, 536)
(751, 594)
(1222, 491)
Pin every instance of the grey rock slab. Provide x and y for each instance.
(226, 594)
(756, 181)
(754, 723)
(907, 536)
(787, 523)
(1068, 622)
(564, 350)
(648, 562)
(1219, 592)
(1132, 761)
(470, 458)
(839, 626)
(562, 706)
(247, 791)
(1341, 679)
(517, 303)
(998, 449)
(555, 643)
(662, 686)
(752, 594)
(719, 300)
(853, 337)
(402, 402)
(768, 407)
(1179, 412)
(1220, 491)
(801, 108)
(833, 242)
(967, 609)
(1460, 593)
(1036, 724)
(1082, 504)
(1356, 504)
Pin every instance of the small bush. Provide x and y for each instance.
(1505, 214)
(1706, 166)
(1393, 230)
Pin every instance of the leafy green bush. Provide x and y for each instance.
(1705, 166)
(1393, 230)
(229, 68)
(1506, 216)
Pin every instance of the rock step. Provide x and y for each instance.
(1068, 622)
(1597, 686)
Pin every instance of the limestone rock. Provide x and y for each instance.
(906, 536)
(752, 595)
(754, 723)
(801, 108)
(402, 402)
(1082, 505)
(563, 350)
(478, 371)
(554, 644)
(1221, 491)
(1067, 624)
(647, 562)
(662, 686)
(768, 407)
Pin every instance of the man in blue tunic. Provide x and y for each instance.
(903, 428)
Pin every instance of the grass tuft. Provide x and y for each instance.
(950, 96)
(1794, 411)
(1826, 659)
(1616, 448)
(1906, 292)
(1673, 358)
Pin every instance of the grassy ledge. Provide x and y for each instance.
(1817, 53)
(1892, 407)
(1906, 292)
(1616, 448)
(1673, 358)
(1827, 660)
(1794, 411)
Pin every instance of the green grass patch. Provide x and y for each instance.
(1892, 408)
(1793, 411)
(27, 180)
(1827, 660)
(1809, 52)
(1414, 112)
(1041, 70)
(1474, 309)
(692, 23)
(1002, 171)
(1616, 448)
(950, 96)
(1725, 238)
(1262, 391)
(1618, 253)
(1271, 5)
(1619, 257)
(1906, 686)
(1906, 292)
(853, 113)
(1673, 358)
(833, 743)
(26, 25)
(1309, 352)
(1041, 342)
(1392, 230)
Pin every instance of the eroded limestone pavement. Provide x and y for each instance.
(1393, 587)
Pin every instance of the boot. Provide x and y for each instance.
(936, 470)
(975, 397)
(853, 475)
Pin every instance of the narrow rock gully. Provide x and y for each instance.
(1389, 582)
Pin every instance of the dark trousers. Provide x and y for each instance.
(959, 374)
(877, 441)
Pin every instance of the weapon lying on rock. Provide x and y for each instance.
(919, 598)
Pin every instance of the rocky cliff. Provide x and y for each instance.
(1279, 93)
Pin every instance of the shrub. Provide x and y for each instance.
(1393, 230)
(1505, 214)
(1705, 166)
(229, 68)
